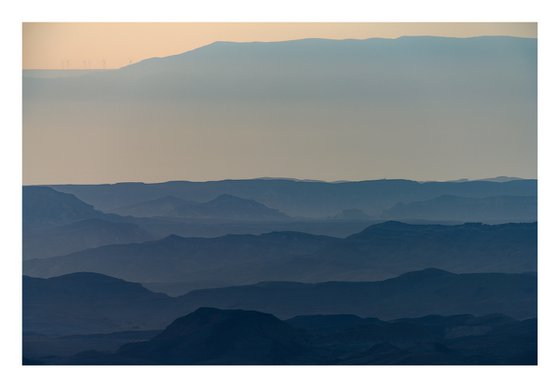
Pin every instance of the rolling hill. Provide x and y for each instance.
(223, 207)
(80, 235)
(87, 303)
(378, 252)
(298, 198)
(500, 209)
(56, 223)
(211, 336)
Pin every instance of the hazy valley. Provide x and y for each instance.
(383, 292)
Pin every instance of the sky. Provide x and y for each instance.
(113, 45)
(284, 112)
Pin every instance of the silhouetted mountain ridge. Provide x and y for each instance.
(93, 303)
(223, 207)
(236, 337)
(152, 208)
(43, 206)
(417, 293)
(80, 235)
(81, 303)
(451, 207)
(379, 252)
(299, 198)
(212, 336)
(56, 223)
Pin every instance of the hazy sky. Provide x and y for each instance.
(413, 108)
(113, 45)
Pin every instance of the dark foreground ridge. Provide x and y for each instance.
(237, 337)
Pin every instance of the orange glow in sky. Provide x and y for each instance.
(113, 45)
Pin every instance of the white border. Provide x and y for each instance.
(13, 374)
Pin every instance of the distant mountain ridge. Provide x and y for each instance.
(298, 198)
(82, 303)
(223, 207)
(409, 295)
(47, 235)
(56, 223)
(80, 235)
(43, 206)
(176, 258)
(378, 252)
(153, 208)
(498, 209)
(501, 179)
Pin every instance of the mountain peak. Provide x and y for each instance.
(222, 320)
(427, 273)
(44, 205)
(387, 226)
(231, 206)
(392, 225)
(214, 336)
(172, 237)
(87, 276)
